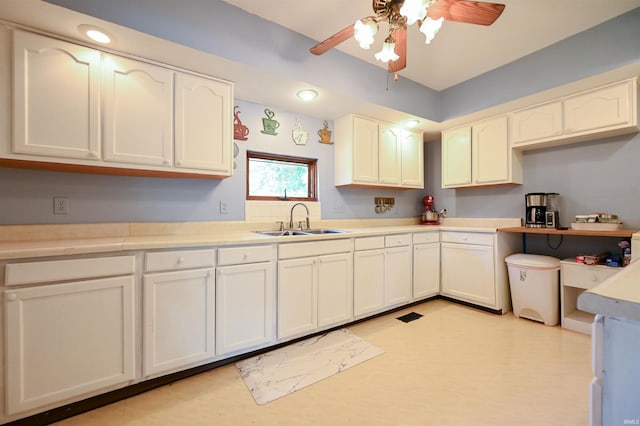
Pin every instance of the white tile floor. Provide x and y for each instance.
(454, 366)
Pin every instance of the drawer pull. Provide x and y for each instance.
(11, 297)
(594, 278)
(180, 260)
(245, 256)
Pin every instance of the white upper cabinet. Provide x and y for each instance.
(375, 154)
(598, 113)
(138, 112)
(56, 98)
(480, 154)
(75, 108)
(203, 130)
(539, 122)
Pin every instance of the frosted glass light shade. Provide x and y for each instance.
(388, 52)
(430, 28)
(414, 10)
(364, 32)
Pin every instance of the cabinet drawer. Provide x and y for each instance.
(585, 276)
(426, 237)
(316, 248)
(179, 259)
(249, 254)
(70, 269)
(467, 238)
(397, 240)
(369, 243)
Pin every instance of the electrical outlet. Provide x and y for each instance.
(224, 207)
(60, 205)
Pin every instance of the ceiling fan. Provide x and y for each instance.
(399, 14)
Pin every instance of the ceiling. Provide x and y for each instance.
(459, 51)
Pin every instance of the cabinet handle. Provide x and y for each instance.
(11, 297)
(180, 260)
(178, 163)
(594, 278)
(245, 256)
(93, 154)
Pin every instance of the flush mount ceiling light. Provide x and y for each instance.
(95, 33)
(307, 94)
(428, 14)
(411, 123)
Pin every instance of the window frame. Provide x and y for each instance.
(312, 175)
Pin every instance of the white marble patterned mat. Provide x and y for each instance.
(285, 370)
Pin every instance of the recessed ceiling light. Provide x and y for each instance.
(95, 33)
(307, 94)
(412, 123)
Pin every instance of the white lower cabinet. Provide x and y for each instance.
(397, 270)
(245, 298)
(426, 265)
(574, 279)
(368, 279)
(178, 306)
(473, 267)
(382, 273)
(178, 319)
(70, 340)
(314, 292)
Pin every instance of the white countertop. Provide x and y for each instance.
(618, 296)
(30, 241)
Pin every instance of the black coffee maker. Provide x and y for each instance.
(536, 209)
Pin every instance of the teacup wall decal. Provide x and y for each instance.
(269, 124)
(300, 135)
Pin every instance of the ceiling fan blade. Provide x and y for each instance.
(470, 12)
(333, 41)
(400, 36)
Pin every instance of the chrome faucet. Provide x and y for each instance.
(291, 215)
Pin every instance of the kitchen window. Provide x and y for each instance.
(281, 177)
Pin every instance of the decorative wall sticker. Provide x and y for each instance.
(300, 135)
(325, 134)
(269, 124)
(240, 131)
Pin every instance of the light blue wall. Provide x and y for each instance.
(600, 175)
(27, 196)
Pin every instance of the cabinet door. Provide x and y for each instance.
(368, 282)
(491, 151)
(598, 109)
(66, 340)
(244, 306)
(412, 159)
(138, 102)
(365, 150)
(537, 123)
(203, 124)
(297, 304)
(335, 289)
(56, 98)
(178, 319)
(468, 273)
(426, 270)
(389, 151)
(398, 276)
(456, 157)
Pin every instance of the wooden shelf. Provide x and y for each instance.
(551, 231)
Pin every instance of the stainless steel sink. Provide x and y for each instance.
(293, 232)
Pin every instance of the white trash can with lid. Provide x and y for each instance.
(534, 283)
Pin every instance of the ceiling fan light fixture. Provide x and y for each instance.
(414, 10)
(388, 51)
(430, 28)
(364, 32)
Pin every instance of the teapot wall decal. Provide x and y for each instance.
(325, 134)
